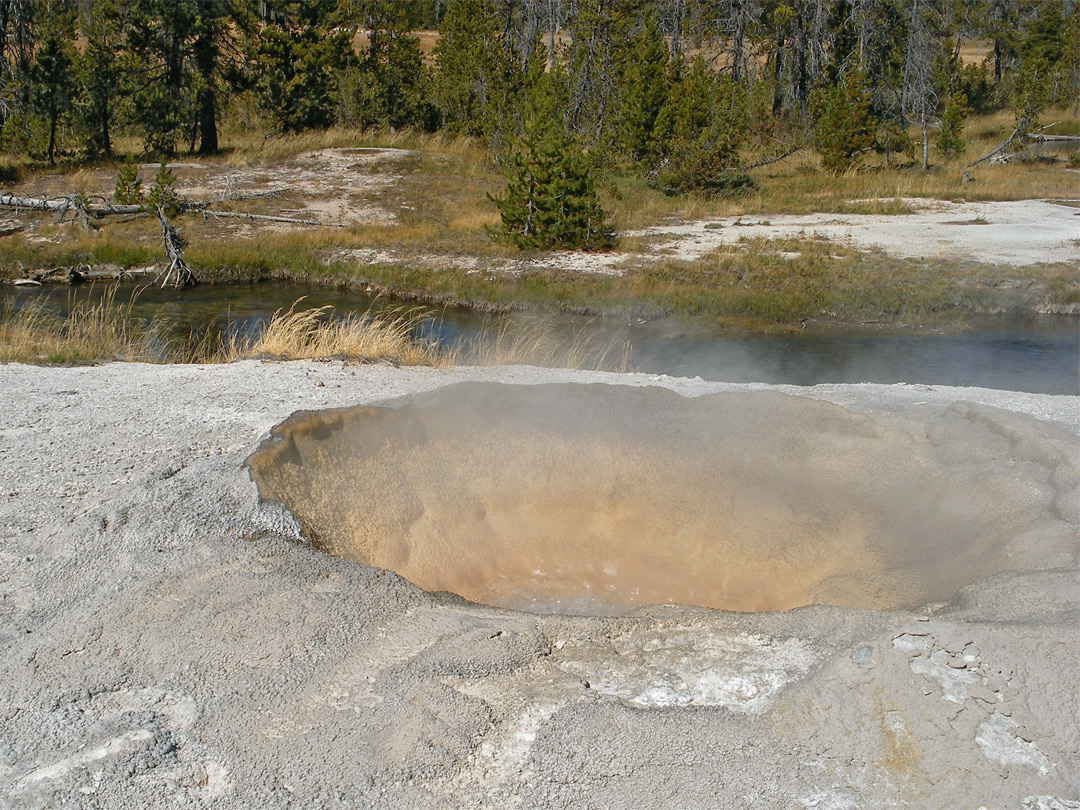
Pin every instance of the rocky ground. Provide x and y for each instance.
(168, 641)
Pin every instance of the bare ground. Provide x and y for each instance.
(1011, 233)
(354, 187)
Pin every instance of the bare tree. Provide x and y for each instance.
(918, 96)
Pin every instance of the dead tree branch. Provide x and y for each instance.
(767, 160)
(267, 218)
(1017, 134)
(176, 270)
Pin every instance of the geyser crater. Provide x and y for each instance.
(595, 499)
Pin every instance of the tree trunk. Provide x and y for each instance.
(738, 54)
(63, 205)
(778, 73)
(53, 115)
(925, 145)
(106, 137)
(206, 58)
(553, 27)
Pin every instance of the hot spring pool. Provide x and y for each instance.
(595, 499)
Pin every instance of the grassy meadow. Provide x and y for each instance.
(439, 206)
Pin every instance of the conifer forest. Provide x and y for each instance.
(688, 93)
(686, 96)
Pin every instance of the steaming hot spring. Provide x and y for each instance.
(595, 499)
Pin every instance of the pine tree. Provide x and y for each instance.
(391, 82)
(101, 70)
(476, 78)
(699, 131)
(183, 53)
(599, 30)
(52, 73)
(949, 140)
(163, 196)
(299, 58)
(128, 189)
(643, 89)
(550, 201)
(159, 37)
(844, 124)
(18, 33)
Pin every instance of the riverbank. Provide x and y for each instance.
(171, 641)
(101, 328)
(760, 284)
(406, 217)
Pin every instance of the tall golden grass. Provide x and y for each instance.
(309, 334)
(535, 342)
(91, 331)
(105, 330)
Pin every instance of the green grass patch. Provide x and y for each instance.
(1062, 291)
(760, 284)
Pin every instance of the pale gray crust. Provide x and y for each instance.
(167, 640)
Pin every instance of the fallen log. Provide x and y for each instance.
(1018, 133)
(63, 205)
(267, 218)
(1055, 138)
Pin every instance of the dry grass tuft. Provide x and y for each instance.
(534, 342)
(91, 332)
(106, 330)
(309, 334)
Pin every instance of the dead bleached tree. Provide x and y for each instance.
(65, 205)
(918, 98)
(176, 270)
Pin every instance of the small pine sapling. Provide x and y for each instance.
(128, 189)
(162, 195)
(844, 124)
(550, 202)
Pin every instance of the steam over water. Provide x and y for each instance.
(594, 499)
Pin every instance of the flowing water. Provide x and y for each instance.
(1039, 354)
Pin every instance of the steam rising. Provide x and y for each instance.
(594, 499)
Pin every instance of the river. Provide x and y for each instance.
(1038, 354)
